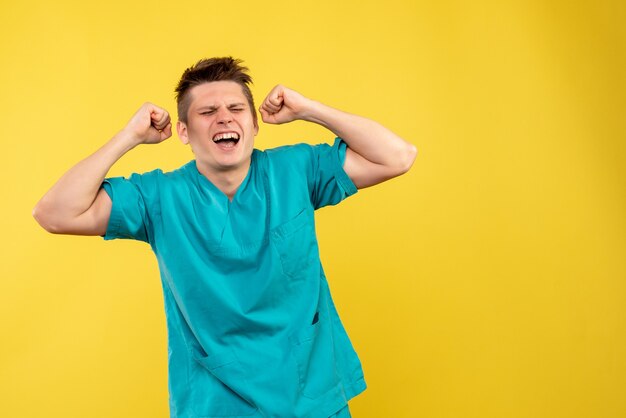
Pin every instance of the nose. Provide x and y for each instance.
(224, 116)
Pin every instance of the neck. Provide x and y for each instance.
(227, 181)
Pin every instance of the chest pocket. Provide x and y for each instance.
(295, 243)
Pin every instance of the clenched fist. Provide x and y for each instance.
(149, 125)
(284, 105)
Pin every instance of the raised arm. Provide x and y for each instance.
(76, 204)
(375, 154)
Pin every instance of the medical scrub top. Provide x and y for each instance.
(252, 328)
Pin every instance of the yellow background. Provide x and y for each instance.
(487, 282)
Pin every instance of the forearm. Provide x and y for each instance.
(76, 190)
(364, 136)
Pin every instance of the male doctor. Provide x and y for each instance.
(252, 328)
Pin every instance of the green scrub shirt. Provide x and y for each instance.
(252, 328)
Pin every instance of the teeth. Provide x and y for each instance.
(226, 135)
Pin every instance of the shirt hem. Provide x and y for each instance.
(332, 407)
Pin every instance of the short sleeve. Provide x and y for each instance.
(131, 211)
(331, 184)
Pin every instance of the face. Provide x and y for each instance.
(220, 128)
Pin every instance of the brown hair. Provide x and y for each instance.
(212, 69)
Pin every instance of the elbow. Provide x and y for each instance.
(403, 162)
(408, 158)
(43, 218)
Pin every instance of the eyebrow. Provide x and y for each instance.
(213, 107)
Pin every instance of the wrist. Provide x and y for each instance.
(321, 114)
(312, 112)
(126, 140)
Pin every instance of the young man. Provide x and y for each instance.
(252, 328)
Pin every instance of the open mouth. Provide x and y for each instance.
(226, 139)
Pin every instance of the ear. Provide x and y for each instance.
(256, 128)
(181, 127)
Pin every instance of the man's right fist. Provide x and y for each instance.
(149, 125)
